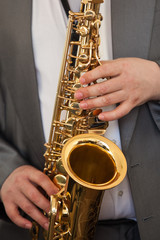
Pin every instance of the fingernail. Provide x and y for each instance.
(56, 190)
(28, 226)
(46, 225)
(101, 117)
(83, 105)
(82, 80)
(78, 95)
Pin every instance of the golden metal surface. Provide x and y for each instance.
(92, 1)
(79, 161)
(94, 161)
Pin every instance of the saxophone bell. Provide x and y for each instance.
(94, 161)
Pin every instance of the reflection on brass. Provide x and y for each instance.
(79, 161)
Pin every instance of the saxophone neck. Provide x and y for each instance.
(92, 1)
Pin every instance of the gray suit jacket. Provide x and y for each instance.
(136, 33)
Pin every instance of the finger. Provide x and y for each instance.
(109, 69)
(14, 215)
(105, 100)
(31, 210)
(36, 197)
(44, 182)
(107, 86)
(115, 114)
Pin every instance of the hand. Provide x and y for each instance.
(133, 82)
(20, 191)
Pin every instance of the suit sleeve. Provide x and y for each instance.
(154, 107)
(10, 159)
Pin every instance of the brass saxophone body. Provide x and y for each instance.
(80, 161)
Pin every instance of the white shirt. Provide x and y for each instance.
(48, 34)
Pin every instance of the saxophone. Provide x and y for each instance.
(79, 160)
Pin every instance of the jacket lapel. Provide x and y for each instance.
(132, 23)
(22, 81)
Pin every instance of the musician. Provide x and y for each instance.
(32, 36)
